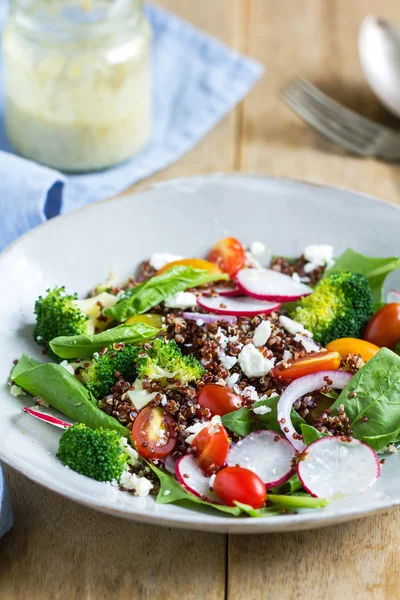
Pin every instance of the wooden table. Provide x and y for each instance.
(60, 550)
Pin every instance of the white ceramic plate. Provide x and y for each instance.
(186, 217)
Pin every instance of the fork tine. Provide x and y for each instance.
(335, 118)
(309, 117)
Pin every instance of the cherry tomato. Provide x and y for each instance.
(384, 327)
(196, 263)
(153, 433)
(312, 363)
(347, 346)
(242, 485)
(210, 447)
(218, 399)
(153, 320)
(229, 255)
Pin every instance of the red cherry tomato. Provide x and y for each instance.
(210, 447)
(242, 485)
(153, 433)
(312, 363)
(228, 255)
(218, 399)
(384, 327)
(196, 263)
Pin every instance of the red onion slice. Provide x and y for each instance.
(297, 389)
(207, 318)
(46, 418)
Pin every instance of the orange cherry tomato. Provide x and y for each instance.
(347, 346)
(384, 327)
(242, 485)
(229, 255)
(210, 447)
(312, 363)
(218, 399)
(154, 433)
(196, 263)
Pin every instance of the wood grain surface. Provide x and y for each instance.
(60, 550)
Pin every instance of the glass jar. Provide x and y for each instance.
(77, 81)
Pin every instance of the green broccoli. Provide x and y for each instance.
(99, 376)
(60, 313)
(97, 453)
(164, 360)
(340, 306)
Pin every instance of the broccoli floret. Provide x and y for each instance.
(99, 376)
(340, 306)
(60, 313)
(164, 360)
(96, 453)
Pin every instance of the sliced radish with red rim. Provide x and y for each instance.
(192, 478)
(297, 389)
(46, 418)
(240, 307)
(228, 291)
(266, 284)
(267, 453)
(334, 468)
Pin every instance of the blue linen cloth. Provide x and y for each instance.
(197, 80)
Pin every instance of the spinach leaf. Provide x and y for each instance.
(24, 364)
(310, 434)
(63, 392)
(291, 485)
(150, 293)
(371, 400)
(374, 269)
(83, 346)
(243, 421)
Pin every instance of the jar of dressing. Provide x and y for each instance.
(77, 81)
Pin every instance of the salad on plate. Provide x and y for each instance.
(243, 382)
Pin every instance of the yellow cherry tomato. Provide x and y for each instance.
(153, 320)
(196, 263)
(347, 346)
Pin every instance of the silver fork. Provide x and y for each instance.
(357, 134)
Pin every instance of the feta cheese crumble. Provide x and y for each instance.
(158, 260)
(211, 480)
(16, 391)
(262, 410)
(250, 392)
(232, 380)
(253, 363)
(318, 255)
(67, 367)
(258, 255)
(213, 427)
(292, 326)
(228, 361)
(262, 333)
(181, 300)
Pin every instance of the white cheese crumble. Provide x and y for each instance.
(16, 391)
(128, 480)
(292, 326)
(228, 361)
(213, 427)
(211, 480)
(251, 393)
(131, 452)
(318, 255)
(221, 338)
(262, 333)
(232, 380)
(181, 300)
(296, 277)
(262, 410)
(143, 487)
(67, 367)
(253, 363)
(258, 255)
(199, 322)
(158, 260)
(286, 355)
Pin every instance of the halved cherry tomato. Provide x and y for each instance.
(210, 447)
(153, 320)
(384, 327)
(347, 346)
(312, 363)
(196, 263)
(218, 399)
(229, 255)
(242, 485)
(153, 432)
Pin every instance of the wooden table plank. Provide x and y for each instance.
(63, 551)
(315, 39)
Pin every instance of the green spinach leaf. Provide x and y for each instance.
(84, 346)
(150, 293)
(64, 392)
(291, 485)
(371, 400)
(310, 434)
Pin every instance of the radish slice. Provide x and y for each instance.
(189, 474)
(297, 389)
(267, 453)
(208, 318)
(266, 284)
(46, 417)
(393, 296)
(334, 468)
(240, 307)
(228, 292)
